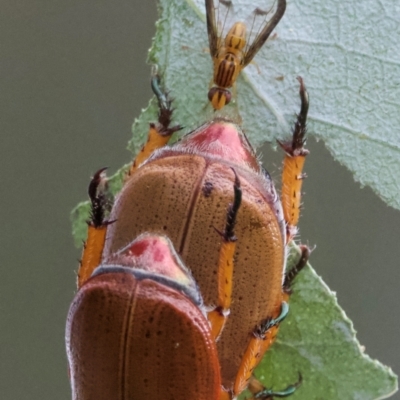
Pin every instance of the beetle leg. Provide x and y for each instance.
(160, 132)
(261, 392)
(292, 176)
(293, 272)
(225, 394)
(218, 316)
(97, 228)
(262, 338)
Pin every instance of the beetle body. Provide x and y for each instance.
(137, 330)
(182, 191)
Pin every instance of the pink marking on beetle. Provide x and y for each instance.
(154, 249)
(150, 252)
(153, 253)
(222, 139)
(136, 248)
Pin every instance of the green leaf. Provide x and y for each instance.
(318, 340)
(350, 65)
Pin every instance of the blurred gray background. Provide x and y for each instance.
(73, 77)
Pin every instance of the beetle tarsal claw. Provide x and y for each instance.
(269, 394)
(99, 198)
(292, 273)
(164, 130)
(269, 322)
(229, 235)
(162, 96)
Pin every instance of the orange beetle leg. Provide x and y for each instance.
(224, 395)
(160, 132)
(97, 228)
(292, 176)
(218, 316)
(262, 339)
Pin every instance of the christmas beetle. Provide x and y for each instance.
(137, 329)
(181, 192)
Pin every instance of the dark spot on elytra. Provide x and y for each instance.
(207, 189)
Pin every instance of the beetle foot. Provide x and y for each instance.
(228, 233)
(100, 198)
(165, 109)
(295, 147)
(269, 394)
(268, 323)
(292, 273)
(233, 209)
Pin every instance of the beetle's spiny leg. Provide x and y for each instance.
(98, 199)
(233, 210)
(300, 126)
(163, 101)
(269, 323)
(219, 315)
(262, 338)
(165, 109)
(260, 392)
(292, 175)
(97, 226)
(225, 394)
(293, 272)
(159, 132)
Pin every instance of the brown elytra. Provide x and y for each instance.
(133, 334)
